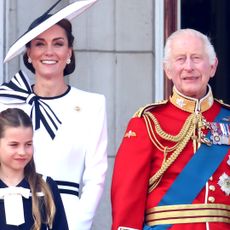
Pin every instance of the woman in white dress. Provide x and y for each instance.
(70, 136)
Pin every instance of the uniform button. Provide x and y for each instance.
(211, 199)
(212, 187)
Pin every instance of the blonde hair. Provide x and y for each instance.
(41, 203)
(14, 117)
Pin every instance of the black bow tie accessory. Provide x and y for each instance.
(19, 91)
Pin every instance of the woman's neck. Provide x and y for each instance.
(49, 87)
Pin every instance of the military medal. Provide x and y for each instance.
(224, 183)
(220, 133)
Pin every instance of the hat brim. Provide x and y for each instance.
(69, 12)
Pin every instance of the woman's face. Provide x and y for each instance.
(49, 52)
(16, 149)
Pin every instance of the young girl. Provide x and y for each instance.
(28, 201)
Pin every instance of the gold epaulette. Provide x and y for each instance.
(227, 106)
(148, 107)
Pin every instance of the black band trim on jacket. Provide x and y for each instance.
(66, 187)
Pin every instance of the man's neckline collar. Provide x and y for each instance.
(190, 104)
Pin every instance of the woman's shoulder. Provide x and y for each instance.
(83, 95)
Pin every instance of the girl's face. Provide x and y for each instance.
(49, 52)
(16, 149)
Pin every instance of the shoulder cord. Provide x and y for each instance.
(181, 139)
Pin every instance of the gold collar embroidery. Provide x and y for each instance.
(190, 104)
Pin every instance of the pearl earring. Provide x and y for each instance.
(29, 60)
(68, 61)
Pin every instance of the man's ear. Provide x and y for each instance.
(213, 68)
(167, 71)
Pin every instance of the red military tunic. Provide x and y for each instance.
(138, 159)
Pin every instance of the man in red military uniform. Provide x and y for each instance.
(172, 170)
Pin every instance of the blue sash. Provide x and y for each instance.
(205, 161)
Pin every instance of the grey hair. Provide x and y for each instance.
(209, 49)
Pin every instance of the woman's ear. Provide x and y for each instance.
(70, 53)
(28, 52)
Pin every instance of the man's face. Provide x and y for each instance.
(189, 67)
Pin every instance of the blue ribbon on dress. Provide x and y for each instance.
(18, 91)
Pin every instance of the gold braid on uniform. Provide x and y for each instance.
(190, 130)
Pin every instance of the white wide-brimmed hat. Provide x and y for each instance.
(44, 22)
